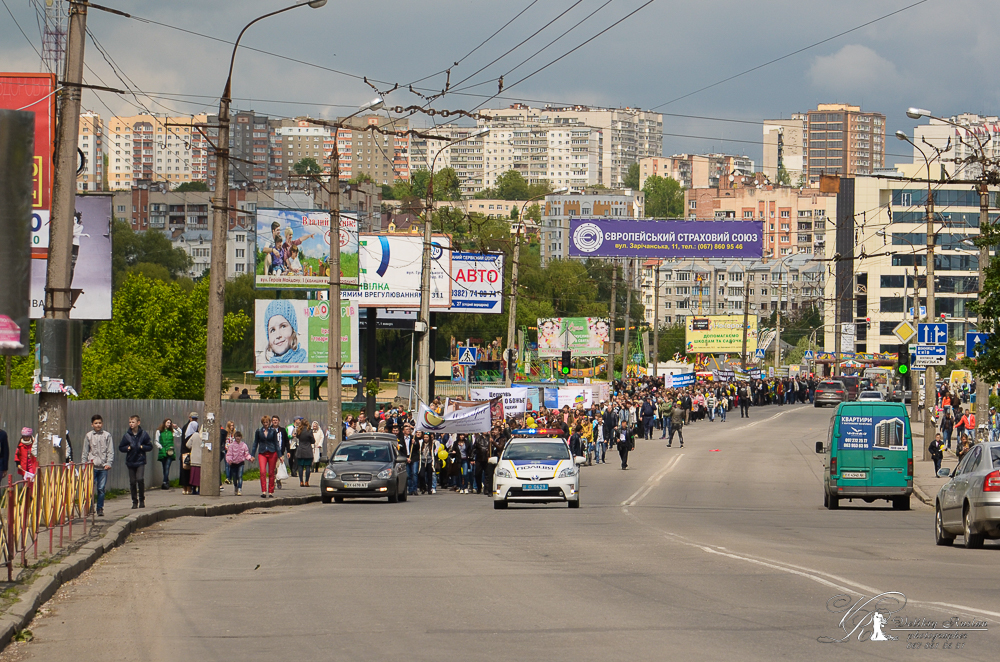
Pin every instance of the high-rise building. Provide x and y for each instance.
(91, 145)
(842, 140)
(978, 134)
(154, 148)
(559, 209)
(249, 150)
(383, 157)
(296, 140)
(785, 148)
(695, 170)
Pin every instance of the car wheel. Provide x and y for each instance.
(941, 537)
(338, 499)
(575, 504)
(403, 495)
(499, 505)
(832, 502)
(972, 540)
(325, 499)
(901, 503)
(394, 496)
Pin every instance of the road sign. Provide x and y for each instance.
(923, 312)
(921, 360)
(932, 334)
(973, 338)
(468, 356)
(904, 331)
(931, 350)
(759, 353)
(808, 354)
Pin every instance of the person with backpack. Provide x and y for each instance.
(135, 444)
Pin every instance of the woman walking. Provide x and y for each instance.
(226, 436)
(189, 437)
(265, 449)
(318, 438)
(164, 442)
(237, 454)
(304, 451)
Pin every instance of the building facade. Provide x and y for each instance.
(785, 148)
(842, 140)
(695, 170)
(91, 145)
(155, 148)
(979, 134)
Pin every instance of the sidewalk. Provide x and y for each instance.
(34, 586)
(925, 483)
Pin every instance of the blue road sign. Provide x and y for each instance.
(760, 353)
(468, 356)
(932, 334)
(808, 354)
(973, 338)
(931, 350)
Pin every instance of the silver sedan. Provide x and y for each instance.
(969, 503)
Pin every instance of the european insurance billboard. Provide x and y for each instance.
(611, 237)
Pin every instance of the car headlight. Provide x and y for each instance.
(503, 473)
(568, 472)
(385, 474)
(329, 473)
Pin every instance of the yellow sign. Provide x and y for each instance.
(719, 334)
(904, 331)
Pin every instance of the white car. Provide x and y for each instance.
(871, 396)
(536, 471)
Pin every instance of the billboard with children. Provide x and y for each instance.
(290, 337)
(584, 336)
(293, 249)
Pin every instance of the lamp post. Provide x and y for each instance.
(424, 359)
(777, 326)
(512, 306)
(930, 391)
(217, 275)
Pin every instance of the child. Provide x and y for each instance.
(282, 328)
(24, 456)
(293, 264)
(236, 454)
(277, 255)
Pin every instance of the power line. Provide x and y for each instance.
(30, 43)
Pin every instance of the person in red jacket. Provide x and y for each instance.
(24, 456)
(966, 424)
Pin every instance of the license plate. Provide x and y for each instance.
(356, 484)
(854, 474)
(536, 486)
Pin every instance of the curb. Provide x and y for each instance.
(920, 494)
(51, 578)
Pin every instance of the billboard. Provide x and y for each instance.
(390, 268)
(35, 93)
(872, 432)
(90, 268)
(291, 337)
(476, 283)
(607, 237)
(718, 334)
(584, 336)
(293, 249)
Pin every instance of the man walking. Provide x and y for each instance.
(99, 449)
(676, 424)
(744, 401)
(625, 437)
(646, 413)
(135, 444)
(936, 450)
(411, 448)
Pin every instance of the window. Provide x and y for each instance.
(693, 204)
(241, 252)
(747, 214)
(239, 267)
(784, 213)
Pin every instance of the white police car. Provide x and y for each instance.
(536, 470)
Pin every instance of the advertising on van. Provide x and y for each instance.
(872, 432)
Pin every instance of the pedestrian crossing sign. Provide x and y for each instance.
(468, 356)
(808, 354)
(760, 353)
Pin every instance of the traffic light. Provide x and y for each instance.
(903, 364)
(567, 361)
(511, 360)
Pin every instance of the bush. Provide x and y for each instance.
(268, 390)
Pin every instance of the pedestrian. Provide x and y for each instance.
(237, 454)
(244, 395)
(947, 426)
(318, 440)
(5, 455)
(281, 438)
(164, 443)
(576, 441)
(304, 451)
(744, 396)
(963, 447)
(25, 456)
(99, 448)
(226, 435)
(481, 457)
(937, 452)
(190, 430)
(135, 444)
(409, 446)
(265, 449)
(676, 424)
(463, 454)
(625, 439)
(427, 459)
(646, 413)
(194, 442)
(235, 394)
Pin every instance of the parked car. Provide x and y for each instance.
(969, 503)
(830, 392)
(365, 466)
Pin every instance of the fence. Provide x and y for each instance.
(56, 497)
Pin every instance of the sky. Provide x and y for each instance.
(936, 55)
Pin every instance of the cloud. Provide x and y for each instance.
(854, 69)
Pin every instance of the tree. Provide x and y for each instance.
(534, 212)
(664, 197)
(361, 179)
(187, 187)
(147, 252)
(783, 177)
(987, 307)
(307, 166)
(511, 185)
(632, 178)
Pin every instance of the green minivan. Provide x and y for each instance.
(868, 454)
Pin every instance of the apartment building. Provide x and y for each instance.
(384, 158)
(559, 210)
(785, 148)
(295, 140)
(91, 145)
(978, 134)
(155, 148)
(249, 150)
(716, 287)
(842, 140)
(154, 207)
(795, 220)
(696, 170)
(885, 220)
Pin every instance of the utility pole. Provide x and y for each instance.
(914, 398)
(777, 330)
(628, 315)
(333, 365)
(53, 407)
(614, 323)
(512, 306)
(982, 386)
(656, 317)
(746, 317)
(930, 375)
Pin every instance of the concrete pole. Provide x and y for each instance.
(628, 314)
(424, 349)
(53, 407)
(982, 386)
(746, 317)
(777, 330)
(512, 306)
(930, 376)
(656, 317)
(614, 331)
(914, 397)
(334, 367)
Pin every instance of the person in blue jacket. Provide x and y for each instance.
(135, 444)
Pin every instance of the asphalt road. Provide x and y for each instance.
(718, 551)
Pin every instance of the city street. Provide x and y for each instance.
(717, 551)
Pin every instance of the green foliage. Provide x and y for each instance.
(664, 197)
(512, 185)
(671, 341)
(534, 212)
(632, 178)
(149, 254)
(188, 187)
(783, 177)
(361, 179)
(307, 166)
(154, 346)
(269, 390)
(447, 185)
(987, 307)
(798, 353)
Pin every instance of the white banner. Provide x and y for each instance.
(462, 421)
(515, 400)
(574, 397)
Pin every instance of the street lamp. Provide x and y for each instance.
(512, 308)
(424, 323)
(217, 275)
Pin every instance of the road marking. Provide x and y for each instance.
(652, 482)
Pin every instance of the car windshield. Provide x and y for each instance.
(545, 450)
(362, 453)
